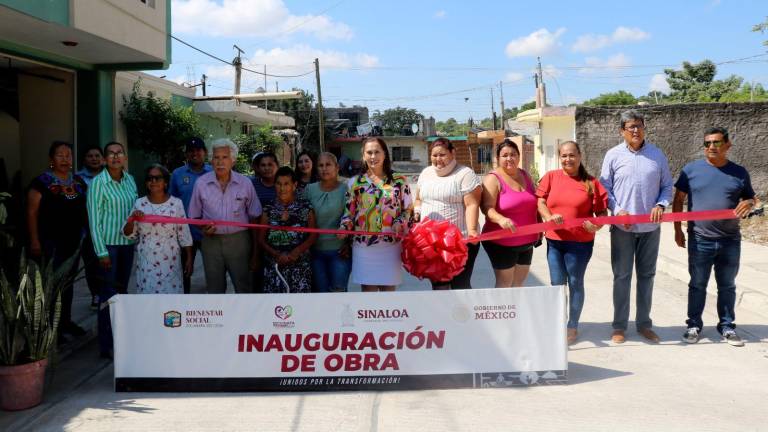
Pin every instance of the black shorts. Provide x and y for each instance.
(504, 257)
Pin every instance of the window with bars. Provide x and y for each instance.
(401, 154)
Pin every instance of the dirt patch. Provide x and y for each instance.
(755, 230)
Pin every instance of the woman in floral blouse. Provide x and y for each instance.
(159, 267)
(378, 200)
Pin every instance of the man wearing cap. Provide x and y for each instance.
(183, 182)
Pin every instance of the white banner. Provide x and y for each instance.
(340, 341)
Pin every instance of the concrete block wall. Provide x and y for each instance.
(679, 131)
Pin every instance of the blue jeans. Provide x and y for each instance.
(703, 254)
(115, 281)
(330, 272)
(567, 263)
(628, 250)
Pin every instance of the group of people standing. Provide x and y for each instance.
(102, 207)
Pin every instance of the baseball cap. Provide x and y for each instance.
(195, 143)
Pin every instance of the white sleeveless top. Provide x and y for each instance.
(442, 198)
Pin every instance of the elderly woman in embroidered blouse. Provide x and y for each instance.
(449, 191)
(56, 220)
(158, 259)
(378, 200)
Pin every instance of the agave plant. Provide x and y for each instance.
(29, 313)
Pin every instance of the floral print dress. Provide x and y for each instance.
(159, 268)
(298, 275)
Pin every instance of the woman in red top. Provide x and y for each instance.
(570, 193)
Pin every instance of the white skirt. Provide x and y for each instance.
(379, 264)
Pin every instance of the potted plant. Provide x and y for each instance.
(29, 320)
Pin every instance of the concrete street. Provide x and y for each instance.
(636, 386)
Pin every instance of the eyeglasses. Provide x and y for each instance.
(115, 154)
(151, 178)
(634, 127)
(716, 143)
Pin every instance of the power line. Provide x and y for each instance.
(230, 63)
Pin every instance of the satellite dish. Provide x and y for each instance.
(415, 128)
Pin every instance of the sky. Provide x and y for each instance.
(445, 58)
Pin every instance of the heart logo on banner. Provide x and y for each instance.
(283, 312)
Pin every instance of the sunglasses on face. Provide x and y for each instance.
(717, 143)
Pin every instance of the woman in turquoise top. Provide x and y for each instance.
(331, 261)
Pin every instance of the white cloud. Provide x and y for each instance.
(659, 83)
(540, 42)
(440, 14)
(593, 42)
(551, 71)
(294, 60)
(243, 18)
(514, 76)
(614, 63)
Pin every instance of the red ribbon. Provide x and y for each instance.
(436, 249)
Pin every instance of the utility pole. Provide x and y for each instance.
(493, 112)
(541, 92)
(203, 83)
(320, 114)
(238, 68)
(501, 100)
(266, 101)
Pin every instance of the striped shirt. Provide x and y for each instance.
(109, 205)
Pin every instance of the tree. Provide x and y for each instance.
(398, 120)
(510, 113)
(620, 97)
(450, 127)
(305, 115)
(260, 140)
(696, 83)
(762, 27)
(157, 126)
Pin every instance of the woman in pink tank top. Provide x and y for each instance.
(509, 201)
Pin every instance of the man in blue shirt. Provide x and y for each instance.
(636, 176)
(713, 183)
(183, 182)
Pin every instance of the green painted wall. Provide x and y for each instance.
(55, 11)
(95, 109)
(181, 100)
(217, 128)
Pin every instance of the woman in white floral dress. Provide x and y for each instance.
(159, 267)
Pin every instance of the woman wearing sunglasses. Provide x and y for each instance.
(158, 251)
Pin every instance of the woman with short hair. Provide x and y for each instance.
(287, 267)
(159, 264)
(331, 261)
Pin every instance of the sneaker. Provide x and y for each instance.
(691, 335)
(730, 336)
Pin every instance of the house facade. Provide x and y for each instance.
(58, 62)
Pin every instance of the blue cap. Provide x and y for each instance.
(195, 143)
